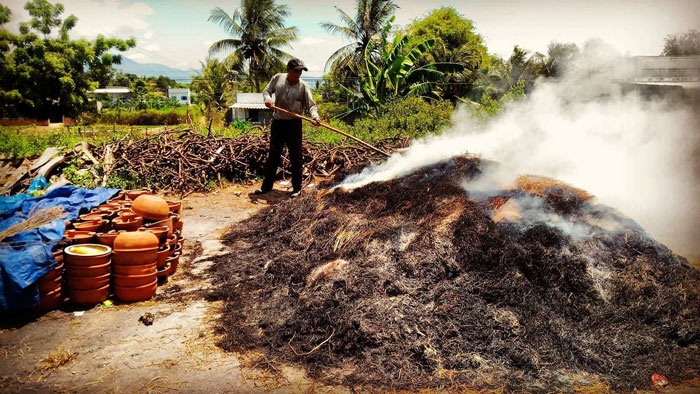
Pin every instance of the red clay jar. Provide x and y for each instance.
(133, 280)
(162, 255)
(79, 237)
(50, 284)
(107, 238)
(86, 254)
(138, 293)
(88, 297)
(141, 269)
(135, 247)
(55, 272)
(174, 206)
(87, 282)
(136, 193)
(90, 225)
(127, 223)
(50, 300)
(88, 270)
(94, 215)
(173, 261)
(162, 223)
(160, 231)
(151, 207)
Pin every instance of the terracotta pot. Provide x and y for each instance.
(107, 238)
(173, 261)
(176, 248)
(160, 231)
(163, 271)
(133, 280)
(136, 193)
(139, 257)
(56, 272)
(90, 225)
(174, 206)
(89, 271)
(58, 255)
(126, 223)
(151, 207)
(172, 240)
(94, 215)
(88, 297)
(134, 241)
(50, 300)
(86, 254)
(138, 293)
(162, 223)
(178, 226)
(79, 237)
(140, 269)
(49, 284)
(162, 255)
(87, 282)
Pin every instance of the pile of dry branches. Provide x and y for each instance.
(411, 284)
(181, 161)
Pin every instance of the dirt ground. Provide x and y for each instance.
(109, 350)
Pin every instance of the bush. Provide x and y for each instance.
(410, 117)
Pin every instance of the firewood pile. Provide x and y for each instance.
(417, 284)
(183, 161)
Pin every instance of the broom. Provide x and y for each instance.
(36, 219)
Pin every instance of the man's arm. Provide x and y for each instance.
(269, 90)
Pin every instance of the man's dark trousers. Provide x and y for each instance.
(284, 132)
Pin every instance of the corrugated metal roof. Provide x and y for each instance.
(249, 106)
(113, 90)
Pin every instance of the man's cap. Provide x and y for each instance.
(297, 65)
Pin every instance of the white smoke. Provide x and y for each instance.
(635, 155)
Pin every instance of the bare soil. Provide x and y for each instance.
(109, 349)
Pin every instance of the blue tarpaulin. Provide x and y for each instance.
(27, 256)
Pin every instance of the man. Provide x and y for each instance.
(294, 95)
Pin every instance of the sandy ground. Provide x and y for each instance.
(109, 350)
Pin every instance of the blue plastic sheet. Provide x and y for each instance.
(27, 256)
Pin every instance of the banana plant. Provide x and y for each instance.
(390, 71)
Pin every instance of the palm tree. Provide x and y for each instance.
(257, 33)
(371, 17)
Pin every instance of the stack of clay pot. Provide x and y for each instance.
(51, 286)
(88, 273)
(135, 256)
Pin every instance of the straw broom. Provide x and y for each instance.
(36, 219)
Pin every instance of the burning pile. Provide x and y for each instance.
(414, 283)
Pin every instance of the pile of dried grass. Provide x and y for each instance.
(35, 220)
(410, 284)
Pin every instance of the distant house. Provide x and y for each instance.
(181, 95)
(664, 75)
(110, 93)
(250, 107)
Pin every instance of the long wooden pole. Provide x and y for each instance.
(366, 145)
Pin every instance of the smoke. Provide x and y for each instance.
(636, 155)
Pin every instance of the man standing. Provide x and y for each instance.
(294, 95)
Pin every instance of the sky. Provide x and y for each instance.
(177, 33)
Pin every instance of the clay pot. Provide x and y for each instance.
(135, 247)
(138, 293)
(50, 300)
(172, 240)
(162, 255)
(136, 193)
(151, 207)
(173, 261)
(160, 231)
(178, 225)
(87, 282)
(79, 237)
(89, 271)
(90, 225)
(141, 269)
(88, 297)
(163, 271)
(56, 272)
(162, 223)
(86, 254)
(174, 206)
(127, 223)
(133, 280)
(107, 238)
(50, 283)
(94, 215)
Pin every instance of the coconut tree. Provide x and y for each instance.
(369, 20)
(257, 34)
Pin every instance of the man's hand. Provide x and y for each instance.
(268, 104)
(316, 122)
